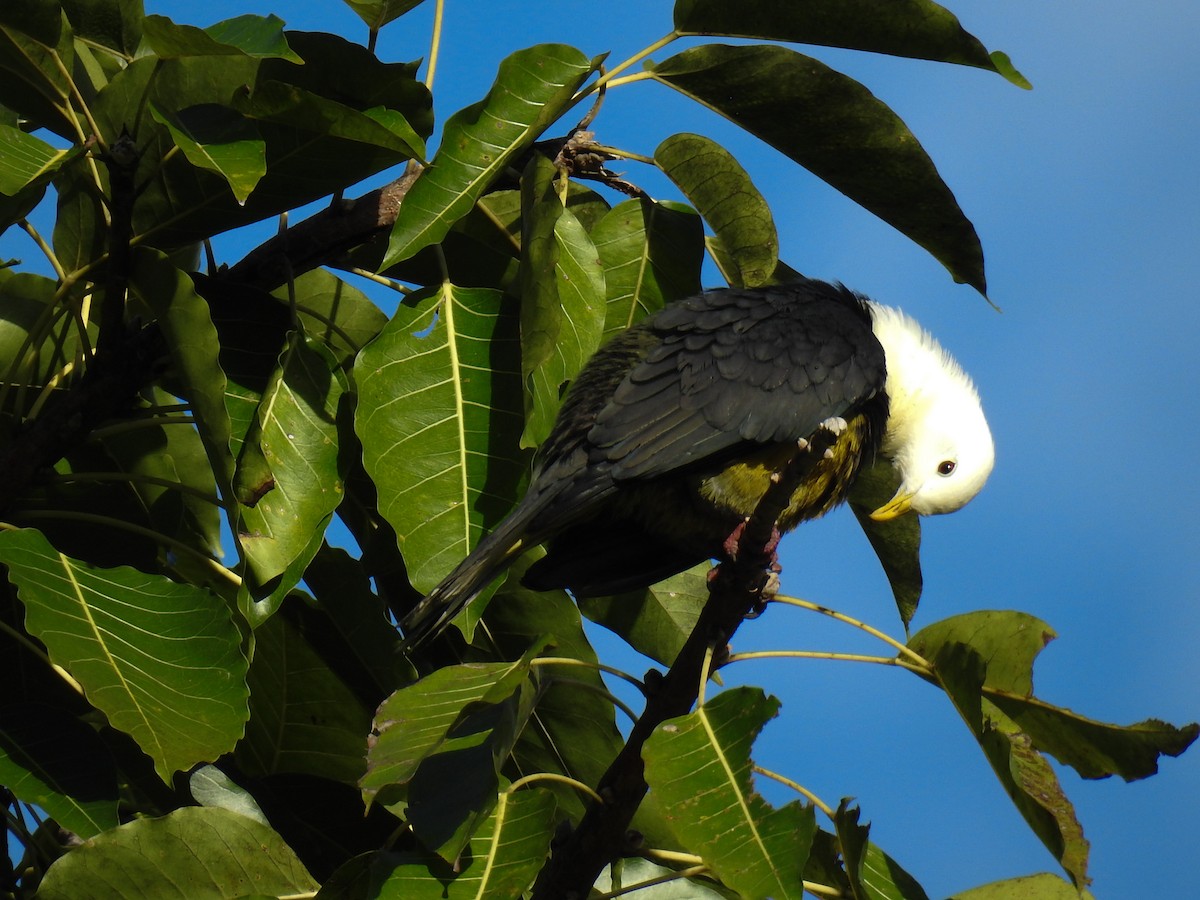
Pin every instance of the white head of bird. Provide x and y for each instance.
(937, 437)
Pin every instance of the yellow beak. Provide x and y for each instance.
(894, 508)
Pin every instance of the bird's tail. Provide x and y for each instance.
(490, 557)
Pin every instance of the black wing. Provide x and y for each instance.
(730, 367)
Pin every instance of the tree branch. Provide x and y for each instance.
(735, 589)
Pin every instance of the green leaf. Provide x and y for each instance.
(249, 35)
(192, 339)
(1029, 887)
(699, 766)
(439, 417)
(36, 55)
(377, 13)
(504, 857)
(652, 253)
(112, 24)
(562, 299)
(896, 542)
(214, 853)
(298, 434)
(303, 717)
(162, 660)
(724, 194)
(217, 138)
(335, 313)
(839, 131)
(914, 28)
(52, 760)
(25, 160)
(658, 620)
(211, 787)
(418, 719)
(660, 882)
(533, 88)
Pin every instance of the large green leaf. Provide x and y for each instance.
(722, 191)
(162, 660)
(562, 299)
(56, 762)
(25, 160)
(112, 24)
(298, 434)
(192, 338)
(303, 717)
(504, 857)
(335, 313)
(699, 766)
(219, 139)
(249, 35)
(36, 55)
(652, 254)
(439, 417)
(193, 852)
(533, 88)
(415, 721)
(839, 131)
(658, 620)
(1030, 887)
(915, 28)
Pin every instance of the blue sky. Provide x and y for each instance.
(1084, 192)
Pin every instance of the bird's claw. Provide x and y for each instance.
(821, 441)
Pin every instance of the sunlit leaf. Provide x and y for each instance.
(213, 852)
(699, 766)
(533, 88)
(255, 36)
(162, 660)
(439, 417)
(211, 787)
(1030, 887)
(839, 131)
(25, 160)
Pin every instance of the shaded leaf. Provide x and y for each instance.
(651, 253)
(303, 718)
(722, 191)
(249, 35)
(914, 28)
(839, 131)
(217, 138)
(416, 720)
(504, 857)
(533, 88)
(699, 766)
(214, 852)
(377, 13)
(52, 760)
(162, 660)
(114, 24)
(439, 416)
(36, 55)
(658, 620)
(336, 313)
(896, 542)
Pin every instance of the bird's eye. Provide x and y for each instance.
(946, 467)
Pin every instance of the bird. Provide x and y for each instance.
(668, 437)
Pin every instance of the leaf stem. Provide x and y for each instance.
(916, 658)
(822, 654)
(598, 666)
(797, 787)
(435, 43)
(662, 879)
(389, 283)
(554, 776)
(134, 424)
(137, 478)
(47, 250)
(608, 79)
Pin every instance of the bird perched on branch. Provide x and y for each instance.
(668, 437)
